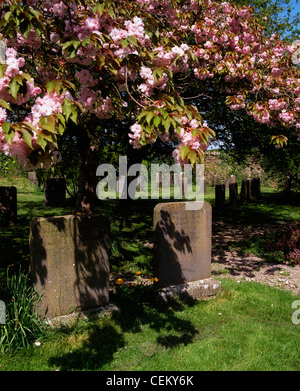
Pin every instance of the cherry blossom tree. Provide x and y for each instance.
(76, 63)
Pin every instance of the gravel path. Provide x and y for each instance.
(229, 261)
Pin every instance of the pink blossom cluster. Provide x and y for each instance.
(135, 135)
(50, 103)
(120, 57)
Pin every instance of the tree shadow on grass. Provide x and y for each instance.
(98, 349)
(138, 306)
(142, 304)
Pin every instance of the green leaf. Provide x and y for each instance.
(195, 132)
(26, 76)
(26, 135)
(7, 15)
(41, 141)
(99, 8)
(66, 45)
(4, 104)
(184, 150)
(61, 118)
(149, 117)
(8, 132)
(76, 43)
(124, 42)
(48, 123)
(66, 108)
(192, 156)
(51, 137)
(13, 88)
(167, 124)
(100, 60)
(157, 120)
(29, 126)
(132, 39)
(50, 85)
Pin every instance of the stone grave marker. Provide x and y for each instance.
(158, 179)
(33, 178)
(55, 191)
(245, 194)
(183, 246)
(69, 262)
(120, 185)
(216, 180)
(219, 196)
(140, 183)
(255, 188)
(182, 181)
(232, 178)
(233, 194)
(8, 205)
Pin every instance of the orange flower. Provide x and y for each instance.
(120, 281)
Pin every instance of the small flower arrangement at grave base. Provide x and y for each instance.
(139, 281)
(136, 296)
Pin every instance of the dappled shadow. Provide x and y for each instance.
(229, 244)
(69, 262)
(169, 245)
(94, 352)
(136, 308)
(143, 305)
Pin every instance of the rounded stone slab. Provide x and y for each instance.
(182, 242)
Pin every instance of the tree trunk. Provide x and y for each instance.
(86, 196)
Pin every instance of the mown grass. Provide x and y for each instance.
(246, 327)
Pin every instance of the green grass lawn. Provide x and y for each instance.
(248, 326)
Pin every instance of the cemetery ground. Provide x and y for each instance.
(247, 326)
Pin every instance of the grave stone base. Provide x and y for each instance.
(197, 290)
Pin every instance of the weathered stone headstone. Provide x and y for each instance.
(8, 205)
(219, 196)
(166, 180)
(33, 178)
(70, 262)
(245, 194)
(233, 194)
(227, 181)
(182, 181)
(120, 185)
(232, 179)
(55, 191)
(158, 179)
(140, 183)
(255, 188)
(182, 243)
(216, 180)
